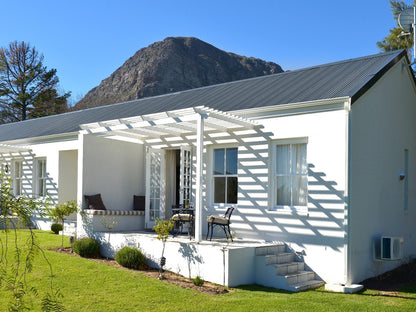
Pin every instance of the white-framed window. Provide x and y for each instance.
(17, 176)
(224, 175)
(290, 175)
(40, 177)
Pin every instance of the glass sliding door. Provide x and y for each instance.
(155, 186)
(185, 194)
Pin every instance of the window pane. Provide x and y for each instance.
(231, 161)
(283, 191)
(41, 187)
(299, 190)
(232, 190)
(18, 185)
(219, 190)
(282, 159)
(219, 161)
(299, 165)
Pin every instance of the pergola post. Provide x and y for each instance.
(199, 180)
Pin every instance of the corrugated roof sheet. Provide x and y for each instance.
(340, 79)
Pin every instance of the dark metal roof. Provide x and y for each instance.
(349, 78)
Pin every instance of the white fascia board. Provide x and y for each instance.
(294, 108)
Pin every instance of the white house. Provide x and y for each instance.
(317, 162)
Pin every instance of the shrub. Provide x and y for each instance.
(198, 281)
(130, 257)
(86, 247)
(56, 227)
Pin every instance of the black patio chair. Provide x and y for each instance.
(222, 221)
(182, 216)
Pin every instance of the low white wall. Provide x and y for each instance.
(232, 266)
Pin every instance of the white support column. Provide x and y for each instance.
(80, 183)
(199, 181)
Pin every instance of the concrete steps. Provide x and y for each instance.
(276, 267)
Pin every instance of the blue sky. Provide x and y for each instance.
(87, 40)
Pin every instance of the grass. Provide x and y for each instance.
(92, 286)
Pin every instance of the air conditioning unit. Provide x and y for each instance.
(391, 248)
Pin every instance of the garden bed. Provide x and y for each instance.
(169, 277)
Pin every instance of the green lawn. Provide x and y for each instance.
(91, 286)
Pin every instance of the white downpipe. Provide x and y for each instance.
(199, 168)
(347, 212)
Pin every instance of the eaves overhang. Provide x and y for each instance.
(294, 108)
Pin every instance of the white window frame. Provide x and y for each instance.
(43, 177)
(17, 179)
(212, 176)
(301, 210)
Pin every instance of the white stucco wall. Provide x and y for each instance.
(115, 169)
(319, 234)
(50, 150)
(382, 127)
(68, 171)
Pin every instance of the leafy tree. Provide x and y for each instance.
(60, 211)
(17, 211)
(396, 40)
(162, 228)
(27, 88)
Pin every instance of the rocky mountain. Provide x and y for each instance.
(174, 64)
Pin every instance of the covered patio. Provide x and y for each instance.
(189, 130)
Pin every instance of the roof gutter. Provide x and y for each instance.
(292, 108)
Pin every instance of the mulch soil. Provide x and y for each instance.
(168, 277)
(392, 281)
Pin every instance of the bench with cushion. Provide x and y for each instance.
(128, 220)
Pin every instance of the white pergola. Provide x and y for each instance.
(6, 148)
(177, 123)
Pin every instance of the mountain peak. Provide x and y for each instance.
(171, 65)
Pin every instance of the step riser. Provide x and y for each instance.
(290, 268)
(280, 258)
(300, 278)
(270, 250)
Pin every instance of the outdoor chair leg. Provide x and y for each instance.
(229, 232)
(212, 230)
(225, 231)
(207, 232)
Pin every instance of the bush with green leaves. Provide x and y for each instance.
(87, 247)
(131, 258)
(198, 281)
(56, 227)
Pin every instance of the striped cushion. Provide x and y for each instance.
(217, 220)
(114, 212)
(182, 217)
